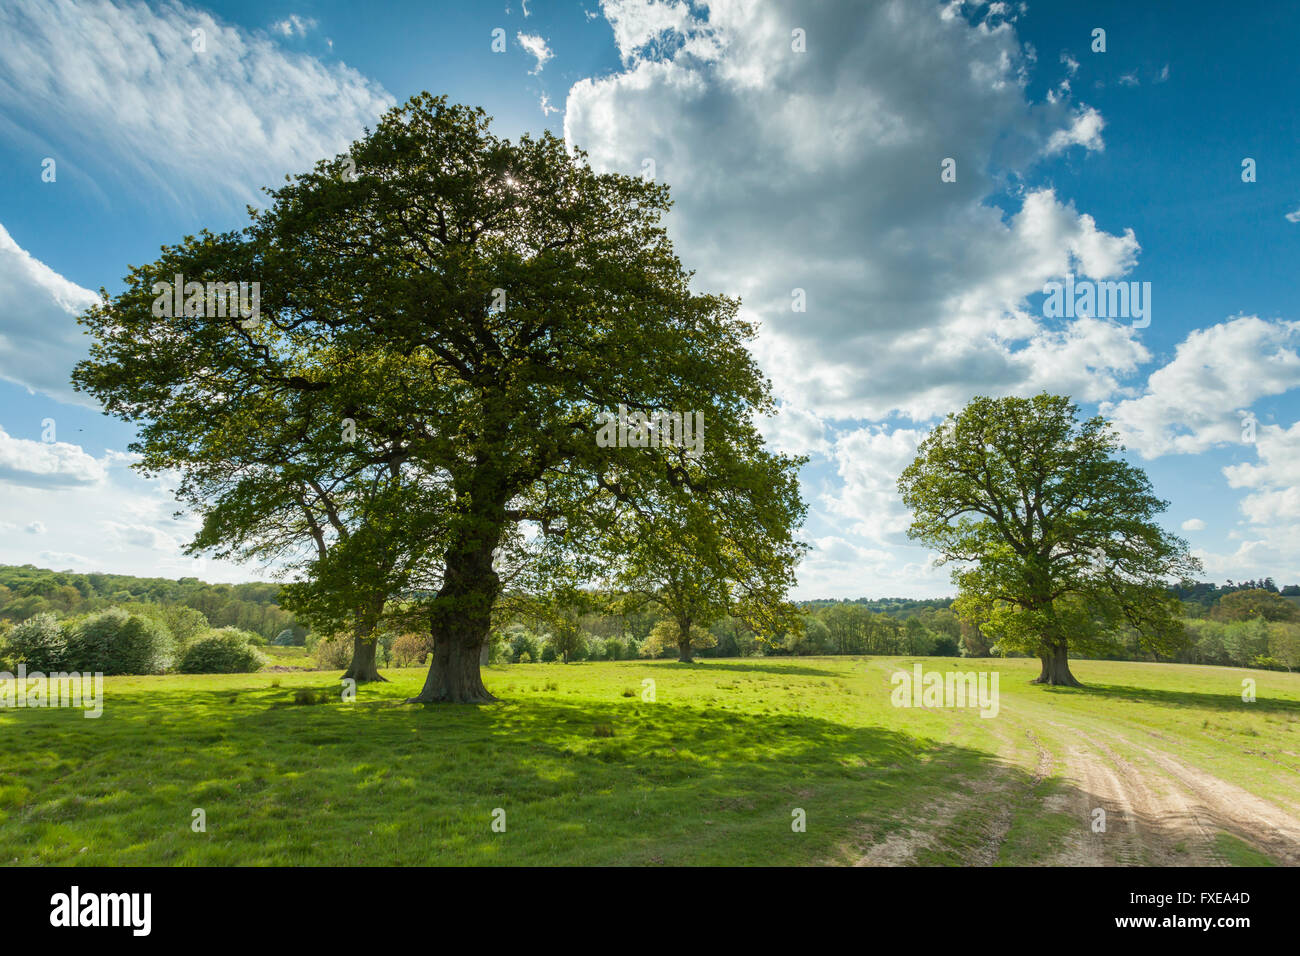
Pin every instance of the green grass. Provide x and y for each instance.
(587, 773)
(1239, 853)
(289, 657)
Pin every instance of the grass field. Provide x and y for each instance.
(711, 772)
(288, 657)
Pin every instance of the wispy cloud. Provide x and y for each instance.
(173, 100)
(294, 25)
(535, 47)
(40, 340)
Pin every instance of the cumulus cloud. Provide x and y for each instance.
(816, 175)
(126, 77)
(1273, 480)
(804, 146)
(1202, 396)
(795, 431)
(38, 464)
(644, 28)
(1268, 530)
(96, 515)
(836, 567)
(868, 461)
(65, 561)
(1084, 130)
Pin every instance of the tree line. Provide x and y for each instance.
(26, 590)
(1247, 624)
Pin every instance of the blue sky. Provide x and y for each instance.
(814, 169)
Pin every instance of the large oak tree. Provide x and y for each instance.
(1060, 532)
(472, 305)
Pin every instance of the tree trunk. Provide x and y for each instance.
(684, 652)
(461, 617)
(1056, 667)
(454, 676)
(364, 668)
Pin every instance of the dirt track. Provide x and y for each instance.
(1159, 809)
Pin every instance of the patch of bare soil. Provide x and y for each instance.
(987, 794)
(1163, 812)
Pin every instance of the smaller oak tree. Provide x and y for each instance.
(1061, 533)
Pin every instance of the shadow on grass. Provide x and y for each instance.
(383, 782)
(582, 781)
(723, 664)
(1174, 698)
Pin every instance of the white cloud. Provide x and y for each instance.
(35, 527)
(795, 431)
(125, 78)
(96, 515)
(120, 85)
(1293, 216)
(39, 336)
(800, 171)
(1199, 399)
(838, 568)
(1268, 533)
(1274, 480)
(869, 461)
(639, 25)
(815, 176)
(38, 464)
(65, 561)
(121, 535)
(1193, 524)
(294, 25)
(1084, 131)
(535, 47)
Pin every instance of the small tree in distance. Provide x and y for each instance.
(667, 634)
